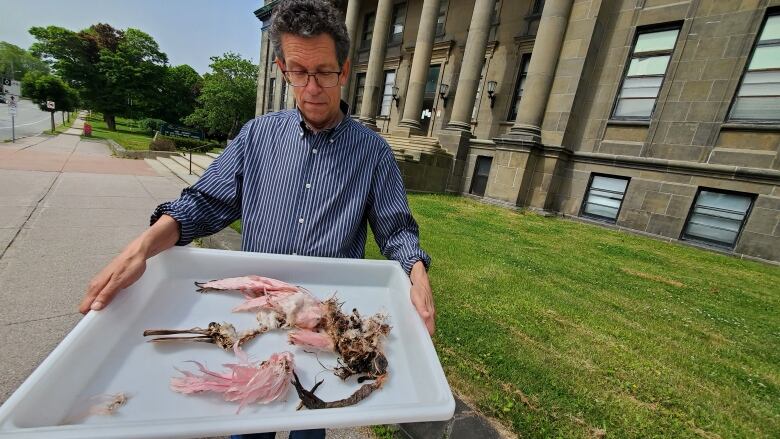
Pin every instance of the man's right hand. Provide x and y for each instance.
(122, 272)
(128, 267)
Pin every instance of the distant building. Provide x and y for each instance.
(659, 116)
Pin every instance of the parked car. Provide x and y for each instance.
(2, 99)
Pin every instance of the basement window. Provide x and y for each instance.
(717, 217)
(604, 197)
(481, 174)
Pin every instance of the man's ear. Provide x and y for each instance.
(345, 73)
(280, 64)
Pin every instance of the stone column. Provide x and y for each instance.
(476, 44)
(423, 49)
(353, 12)
(520, 154)
(262, 73)
(376, 62)
(541, 70)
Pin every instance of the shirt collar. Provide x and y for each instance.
(331, 132)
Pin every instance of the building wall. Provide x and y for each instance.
(687, 144)
(689, 126)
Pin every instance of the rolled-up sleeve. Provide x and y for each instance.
(214, 201)
(394, 228)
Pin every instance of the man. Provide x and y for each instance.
(303, 181)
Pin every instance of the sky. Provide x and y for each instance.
(188, 31)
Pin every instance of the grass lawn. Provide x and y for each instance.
(126, 134)
(562, 329)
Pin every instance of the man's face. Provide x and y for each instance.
(319, 106)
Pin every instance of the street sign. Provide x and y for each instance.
(50, 105)
(12, 109)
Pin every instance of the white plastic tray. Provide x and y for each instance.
(106, 353)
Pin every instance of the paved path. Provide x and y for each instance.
(66, 209)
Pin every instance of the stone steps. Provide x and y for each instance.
(178, 170)
(185, 163)
(179, 165)
(412, 147)
(203, 160)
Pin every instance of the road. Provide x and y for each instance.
(29, 120)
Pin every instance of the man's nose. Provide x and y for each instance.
(312, 87)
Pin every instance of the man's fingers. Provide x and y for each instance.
(94, 288)
(107, 293)
(424, 306)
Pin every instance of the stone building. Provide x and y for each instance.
(658, 116)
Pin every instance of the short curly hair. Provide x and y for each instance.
(309, 18)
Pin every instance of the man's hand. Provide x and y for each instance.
(422, 296)
(122, 272)
(128, 267)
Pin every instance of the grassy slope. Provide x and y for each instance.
(126, 134)
(562, 329)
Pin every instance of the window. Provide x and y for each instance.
(758, 97)
(478, 98)
(534, 17)
(717, 217)
(604, 197)
(283, 103)
(360, 84)
(397, 28)
(271, 87)
(368, 31)
(519, 86)
(645, 74)
(442, 17)
(387, 94)
(494, 21)
(481, 173)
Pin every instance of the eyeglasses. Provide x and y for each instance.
(301, 78)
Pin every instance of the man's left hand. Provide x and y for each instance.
(422, 296)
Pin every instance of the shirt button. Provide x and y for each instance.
(300, 220)
(300, 133)
(314, 151)
(295, 254)
(308, 185)
(331, 140)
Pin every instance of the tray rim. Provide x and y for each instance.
(390, 413)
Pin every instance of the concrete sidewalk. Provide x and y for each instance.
(66, 209)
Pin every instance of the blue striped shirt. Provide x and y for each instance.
(305, 193)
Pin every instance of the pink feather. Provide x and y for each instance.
(250, 286)
(245, 382)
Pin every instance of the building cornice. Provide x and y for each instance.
(264, 13)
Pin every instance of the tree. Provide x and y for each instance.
(227, 99)
(15, 62)
(43, 87)
(178, 93)
(113, 70)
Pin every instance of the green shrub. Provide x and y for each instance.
(151, 124)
